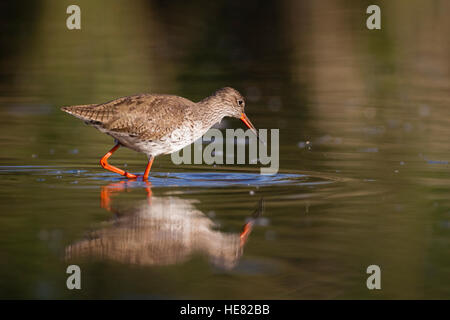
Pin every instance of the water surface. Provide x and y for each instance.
(364, 158)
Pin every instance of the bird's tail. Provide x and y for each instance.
(85, 112)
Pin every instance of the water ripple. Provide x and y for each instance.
(178, 179)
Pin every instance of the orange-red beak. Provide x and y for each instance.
(248, 123)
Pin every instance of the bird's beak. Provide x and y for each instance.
(248, 123)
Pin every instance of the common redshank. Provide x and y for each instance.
(157, 124)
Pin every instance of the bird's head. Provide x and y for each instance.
(233, 105)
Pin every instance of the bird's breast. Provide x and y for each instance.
(173, 141)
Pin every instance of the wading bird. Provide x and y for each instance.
(157, 124)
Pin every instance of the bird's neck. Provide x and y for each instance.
(213, 109)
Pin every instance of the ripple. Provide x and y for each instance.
(177, 179)
(221, 179)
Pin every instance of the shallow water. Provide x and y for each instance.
(364, 158)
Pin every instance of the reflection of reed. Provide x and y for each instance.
(160, 231)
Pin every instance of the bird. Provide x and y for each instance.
(158, 124)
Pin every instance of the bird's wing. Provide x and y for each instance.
(148, 117)
(105, 112)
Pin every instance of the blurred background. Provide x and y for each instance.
(364, 148)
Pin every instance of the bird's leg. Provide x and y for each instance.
(147, 169)
(104, 163)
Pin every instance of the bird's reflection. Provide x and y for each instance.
(160, 231)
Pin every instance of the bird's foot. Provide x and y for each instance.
(130, 175)
(139, 177)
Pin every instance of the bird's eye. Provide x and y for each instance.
(240, 102)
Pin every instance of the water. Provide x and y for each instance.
(364, 160)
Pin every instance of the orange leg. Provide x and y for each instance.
(104, 163)
(147, 169)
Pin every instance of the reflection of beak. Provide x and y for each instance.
(249, 225)
(248, 123)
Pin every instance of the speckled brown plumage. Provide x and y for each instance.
(160, 124)
(145, 116)
(152, 116)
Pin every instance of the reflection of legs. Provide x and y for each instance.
(108, 191)
(104, 163)
(149, 192)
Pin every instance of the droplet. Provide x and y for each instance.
(301, 144)
(264, 222)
